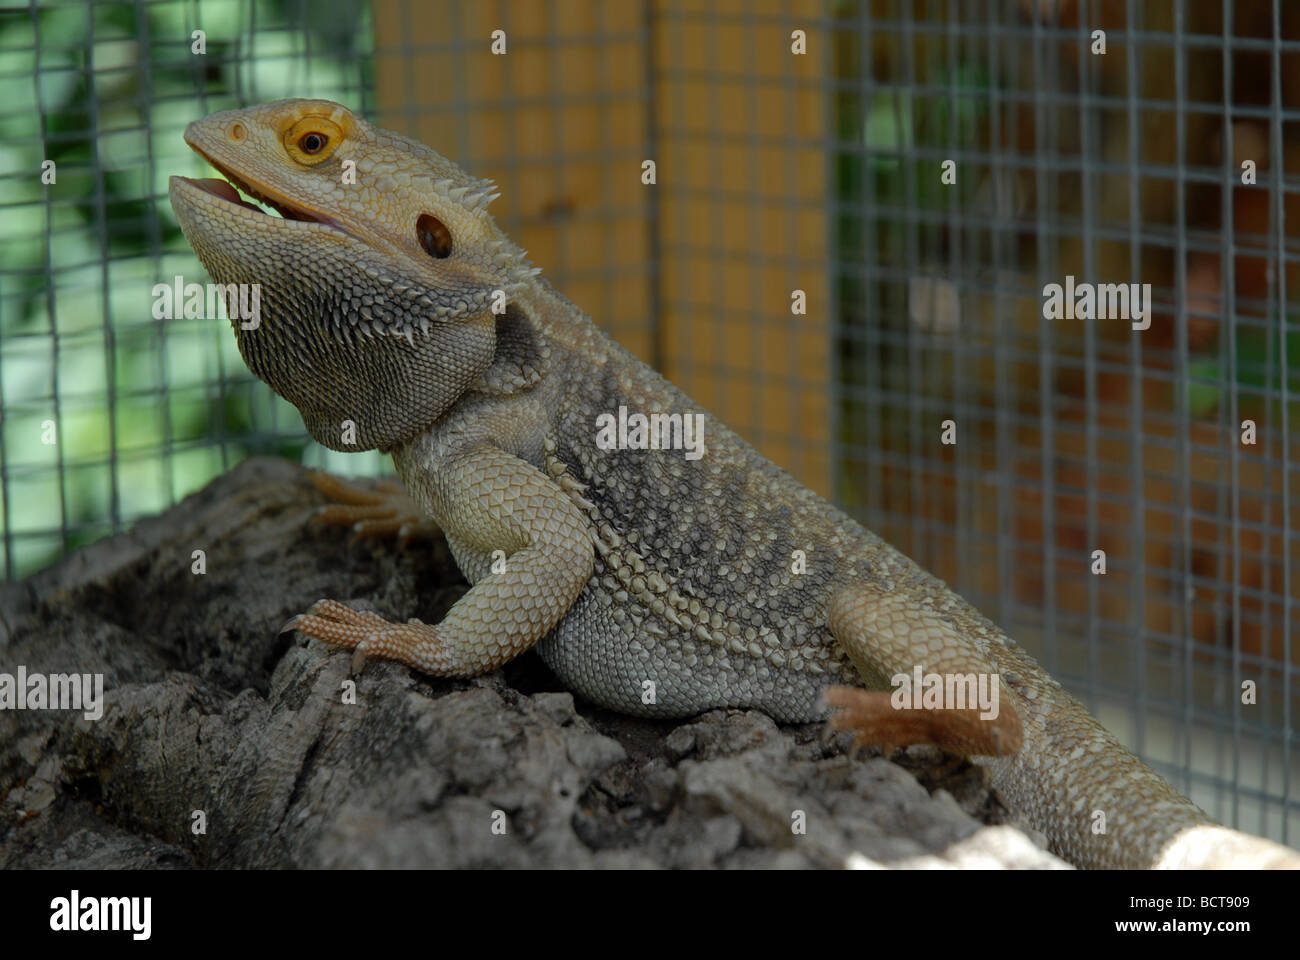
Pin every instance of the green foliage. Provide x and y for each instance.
(892, 144)
(144, 411)
(1259, 372)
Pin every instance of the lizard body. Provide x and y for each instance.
(624, 567)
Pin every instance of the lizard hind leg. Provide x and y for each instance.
(890, 634)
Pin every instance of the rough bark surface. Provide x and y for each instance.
(223, 744)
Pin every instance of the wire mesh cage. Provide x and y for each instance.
(1009, 280)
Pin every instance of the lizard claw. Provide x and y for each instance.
(359, 657)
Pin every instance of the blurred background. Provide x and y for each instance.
(778, 171)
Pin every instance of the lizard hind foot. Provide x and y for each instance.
(381, 510)
(874, 720)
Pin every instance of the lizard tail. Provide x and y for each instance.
(1095, 802)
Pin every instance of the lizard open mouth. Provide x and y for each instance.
(230, 191)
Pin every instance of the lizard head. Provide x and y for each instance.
(376, 284)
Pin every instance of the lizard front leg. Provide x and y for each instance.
(487, 501)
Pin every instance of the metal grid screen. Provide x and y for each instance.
(108, 413)
(860, 211)
(1103, 143)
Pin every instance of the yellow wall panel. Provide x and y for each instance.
(562, 122)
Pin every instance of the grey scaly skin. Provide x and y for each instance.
(629, 570)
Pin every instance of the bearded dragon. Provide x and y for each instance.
(396, 315)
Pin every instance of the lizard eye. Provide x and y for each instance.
(312, 142)
(434, 236)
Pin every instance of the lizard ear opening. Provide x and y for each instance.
(520, 356)
(434, 236)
